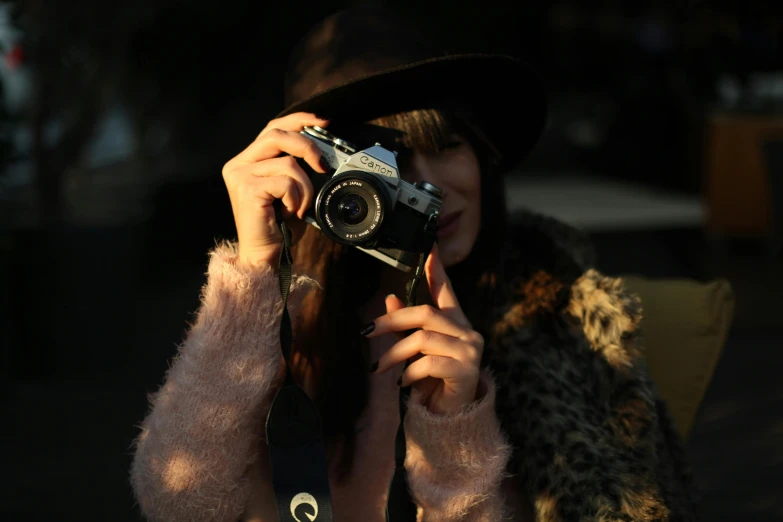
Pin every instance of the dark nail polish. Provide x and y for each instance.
(324, 164)
(399, 381)
(367, 328)
(373, 367)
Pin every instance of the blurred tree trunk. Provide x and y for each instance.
(52, 160)
(78, 50)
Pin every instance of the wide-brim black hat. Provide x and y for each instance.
(365, 62)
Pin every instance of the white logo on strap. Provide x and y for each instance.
(304, 498)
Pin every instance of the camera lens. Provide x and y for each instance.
(350, 208)
(353, 209)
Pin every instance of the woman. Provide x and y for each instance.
(529, 398)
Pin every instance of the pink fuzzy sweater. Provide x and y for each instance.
(199, 456)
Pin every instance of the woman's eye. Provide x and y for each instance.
(454, 144)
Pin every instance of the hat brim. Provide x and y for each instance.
(503, 93)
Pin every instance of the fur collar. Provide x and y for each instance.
(592, 438)
(548, 270)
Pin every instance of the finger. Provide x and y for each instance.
(276, 142)
(451, 371)
(427, 342)
(285, 166)
(423, 389)
(283, 188)
(413, 317)
(440, 288)
(295, 122)
(394, 303)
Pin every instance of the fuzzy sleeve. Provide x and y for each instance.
(205, 423)
(456, 462)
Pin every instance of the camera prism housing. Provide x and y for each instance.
(362, 201)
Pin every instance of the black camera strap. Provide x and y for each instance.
(294, 433)
(399, 506)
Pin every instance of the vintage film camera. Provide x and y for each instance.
(363, 202)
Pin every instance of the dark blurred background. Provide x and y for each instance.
(663, 142)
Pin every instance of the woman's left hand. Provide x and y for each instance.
(445, 351)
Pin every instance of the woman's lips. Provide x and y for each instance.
(448, 224)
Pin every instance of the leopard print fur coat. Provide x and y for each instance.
(592, 438)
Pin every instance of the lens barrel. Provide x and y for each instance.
(350, 207)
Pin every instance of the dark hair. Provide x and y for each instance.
(338, 361)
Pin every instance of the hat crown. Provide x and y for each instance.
(351, 44)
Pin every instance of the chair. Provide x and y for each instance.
(685, 327)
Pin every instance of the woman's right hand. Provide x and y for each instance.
(260, 174)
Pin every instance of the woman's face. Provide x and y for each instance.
(456, 171)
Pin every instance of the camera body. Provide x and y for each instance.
(363, 202)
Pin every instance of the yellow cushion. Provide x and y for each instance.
(685, 327)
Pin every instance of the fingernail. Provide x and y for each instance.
(373, 367)
(367, 328)
(324, 164)
(399, 381)
(390, 295)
